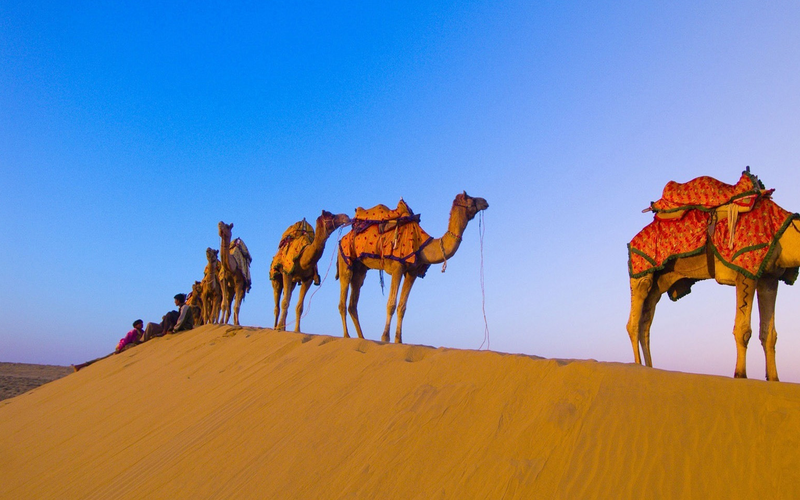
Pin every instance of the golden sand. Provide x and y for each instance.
(220, 412)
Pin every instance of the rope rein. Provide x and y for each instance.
(333, 255)
(481, 231)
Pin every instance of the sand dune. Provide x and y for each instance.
(220, 412)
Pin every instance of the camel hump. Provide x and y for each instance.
(382, 212)
(238, 246)
(386, 218)
(300, 230)
(293, 241)
(707, 193)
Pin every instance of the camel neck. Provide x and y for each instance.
(313, 251)
(224, 253)
(790, 245)
(440, 249)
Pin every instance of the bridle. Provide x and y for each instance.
(330, 223)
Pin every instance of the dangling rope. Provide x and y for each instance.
(481, 231)
(333, 255)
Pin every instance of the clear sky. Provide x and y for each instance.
(127, 131)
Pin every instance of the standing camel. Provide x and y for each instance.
(677, 274)
(352, 271)
(234, 272)
(211, 291)
(297, 263)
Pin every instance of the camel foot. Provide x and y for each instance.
(384, 338)
(739, 375)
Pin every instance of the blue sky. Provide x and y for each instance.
(128, 131)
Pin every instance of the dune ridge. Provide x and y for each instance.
(228, 412)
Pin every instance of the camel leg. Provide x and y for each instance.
(745, 293)
(640, 288)
(304, 286)
(224, 309)
(237, 302)
(391, 304)
(345, 275)
(239, 297)
(277, 289)
(356, 282)
(646, 321)
(217, 308)
(767, 289)
(288, 288)
(401, 307)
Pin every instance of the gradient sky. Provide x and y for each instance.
(128, 131)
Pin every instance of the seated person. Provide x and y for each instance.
(185, 318)
(131, 338)
(168, 321)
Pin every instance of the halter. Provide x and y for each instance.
(330, 229)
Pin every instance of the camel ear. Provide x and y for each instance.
(231, 225)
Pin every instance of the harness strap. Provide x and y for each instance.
(444, 255)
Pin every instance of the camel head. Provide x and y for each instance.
(332, 221)
(470, 204)
(212, 255)
(225, 230)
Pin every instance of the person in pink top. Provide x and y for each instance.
(131, 338)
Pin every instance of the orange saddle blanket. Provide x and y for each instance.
(707, 193)
(298, 236)
(383, 233)
(754, 237)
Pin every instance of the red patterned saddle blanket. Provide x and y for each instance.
(383, 233)
(706, 194)
(747, 251)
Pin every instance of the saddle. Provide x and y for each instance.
(709, 195)
(296, 238)
(383, 233)
(241, 259)
(382, 216)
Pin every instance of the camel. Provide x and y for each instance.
(302, 267)
(234, 272)
(211, 291)
(680, 274)
(195, 301)
(434, 251)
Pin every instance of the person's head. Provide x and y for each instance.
(180, 299)
(138, 324)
